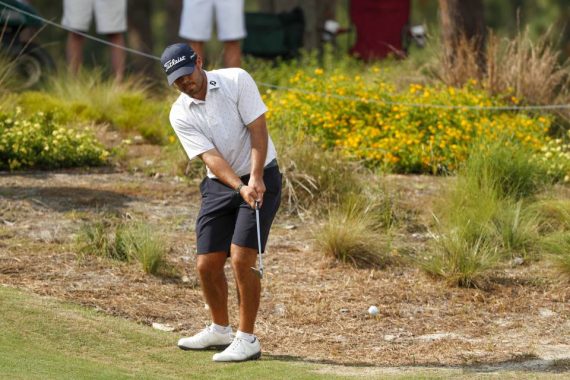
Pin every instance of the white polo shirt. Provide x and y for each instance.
(220, 121)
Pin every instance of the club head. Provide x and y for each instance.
(258, 272)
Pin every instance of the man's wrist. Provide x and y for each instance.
(238, 188)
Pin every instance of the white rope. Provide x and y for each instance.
(320, 94)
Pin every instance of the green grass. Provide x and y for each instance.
(44, 339)
(557, 247)
(121, 241)
(507, 169)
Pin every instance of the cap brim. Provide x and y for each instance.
(184, 70)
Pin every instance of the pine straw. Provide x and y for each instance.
(311, 310)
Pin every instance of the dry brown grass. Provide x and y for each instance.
(310, 311)
(529, 70)
(352, 235)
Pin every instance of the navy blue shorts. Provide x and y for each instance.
(225, 218)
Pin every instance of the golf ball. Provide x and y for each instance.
(373, 310)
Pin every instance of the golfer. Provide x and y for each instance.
(220, 118)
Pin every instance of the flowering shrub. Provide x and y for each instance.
(555, 156)
(394, 128)
(39, 142)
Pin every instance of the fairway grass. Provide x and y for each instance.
(45, 339)
(42, 338)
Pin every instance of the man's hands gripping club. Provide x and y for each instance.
(251, 192)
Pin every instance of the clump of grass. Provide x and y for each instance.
(142, 243)
(94, 239)
(485, 216)
(531, 69)
(460, 260)
(351, 234)
(313, 177)
(507, 169)
(557, 247)
(554, 215)
(124, 242)
(517, 229)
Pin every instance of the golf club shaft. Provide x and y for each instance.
(258, 236)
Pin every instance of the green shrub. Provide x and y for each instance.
(390, 128)
(125, 106)
(39, 142)
(555, 159)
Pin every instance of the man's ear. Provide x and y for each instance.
(199, 62)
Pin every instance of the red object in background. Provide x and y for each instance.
(379, 27)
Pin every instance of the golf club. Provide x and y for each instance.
(258, 272)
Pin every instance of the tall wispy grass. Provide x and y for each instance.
(124, 242)
(557, 247)
(89, 97)
(529, 70)
(485, 216)
(8, 80)
(517, 227)
(506, 169)
(554, 215)
(461, 258)
(352, 234)
(313, 177)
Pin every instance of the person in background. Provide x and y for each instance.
(111, 19)
(196, 26)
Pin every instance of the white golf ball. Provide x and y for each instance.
(373, 310)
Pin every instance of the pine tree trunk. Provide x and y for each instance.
(464, 20)
(140, 35)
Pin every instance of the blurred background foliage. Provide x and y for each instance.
(505, 17)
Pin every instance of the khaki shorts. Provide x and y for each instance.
(110, 15)
(198, 15)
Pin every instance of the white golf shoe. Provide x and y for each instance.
(207, 339)
(240, 350)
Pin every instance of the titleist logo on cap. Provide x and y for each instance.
(173, 62)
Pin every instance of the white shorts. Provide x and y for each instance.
(197, 18)
(110, 15)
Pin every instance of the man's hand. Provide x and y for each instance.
(249, 195)
(259, 187)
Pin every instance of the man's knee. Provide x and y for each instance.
(243, 259)
(210, 265)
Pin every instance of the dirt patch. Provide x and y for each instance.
(311, 310)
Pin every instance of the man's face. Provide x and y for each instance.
(190, 84)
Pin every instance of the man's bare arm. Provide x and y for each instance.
(221, 169)
(259, 142)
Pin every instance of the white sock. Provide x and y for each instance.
(221, 329)
(245, 336)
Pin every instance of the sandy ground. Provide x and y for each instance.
(312, 310)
